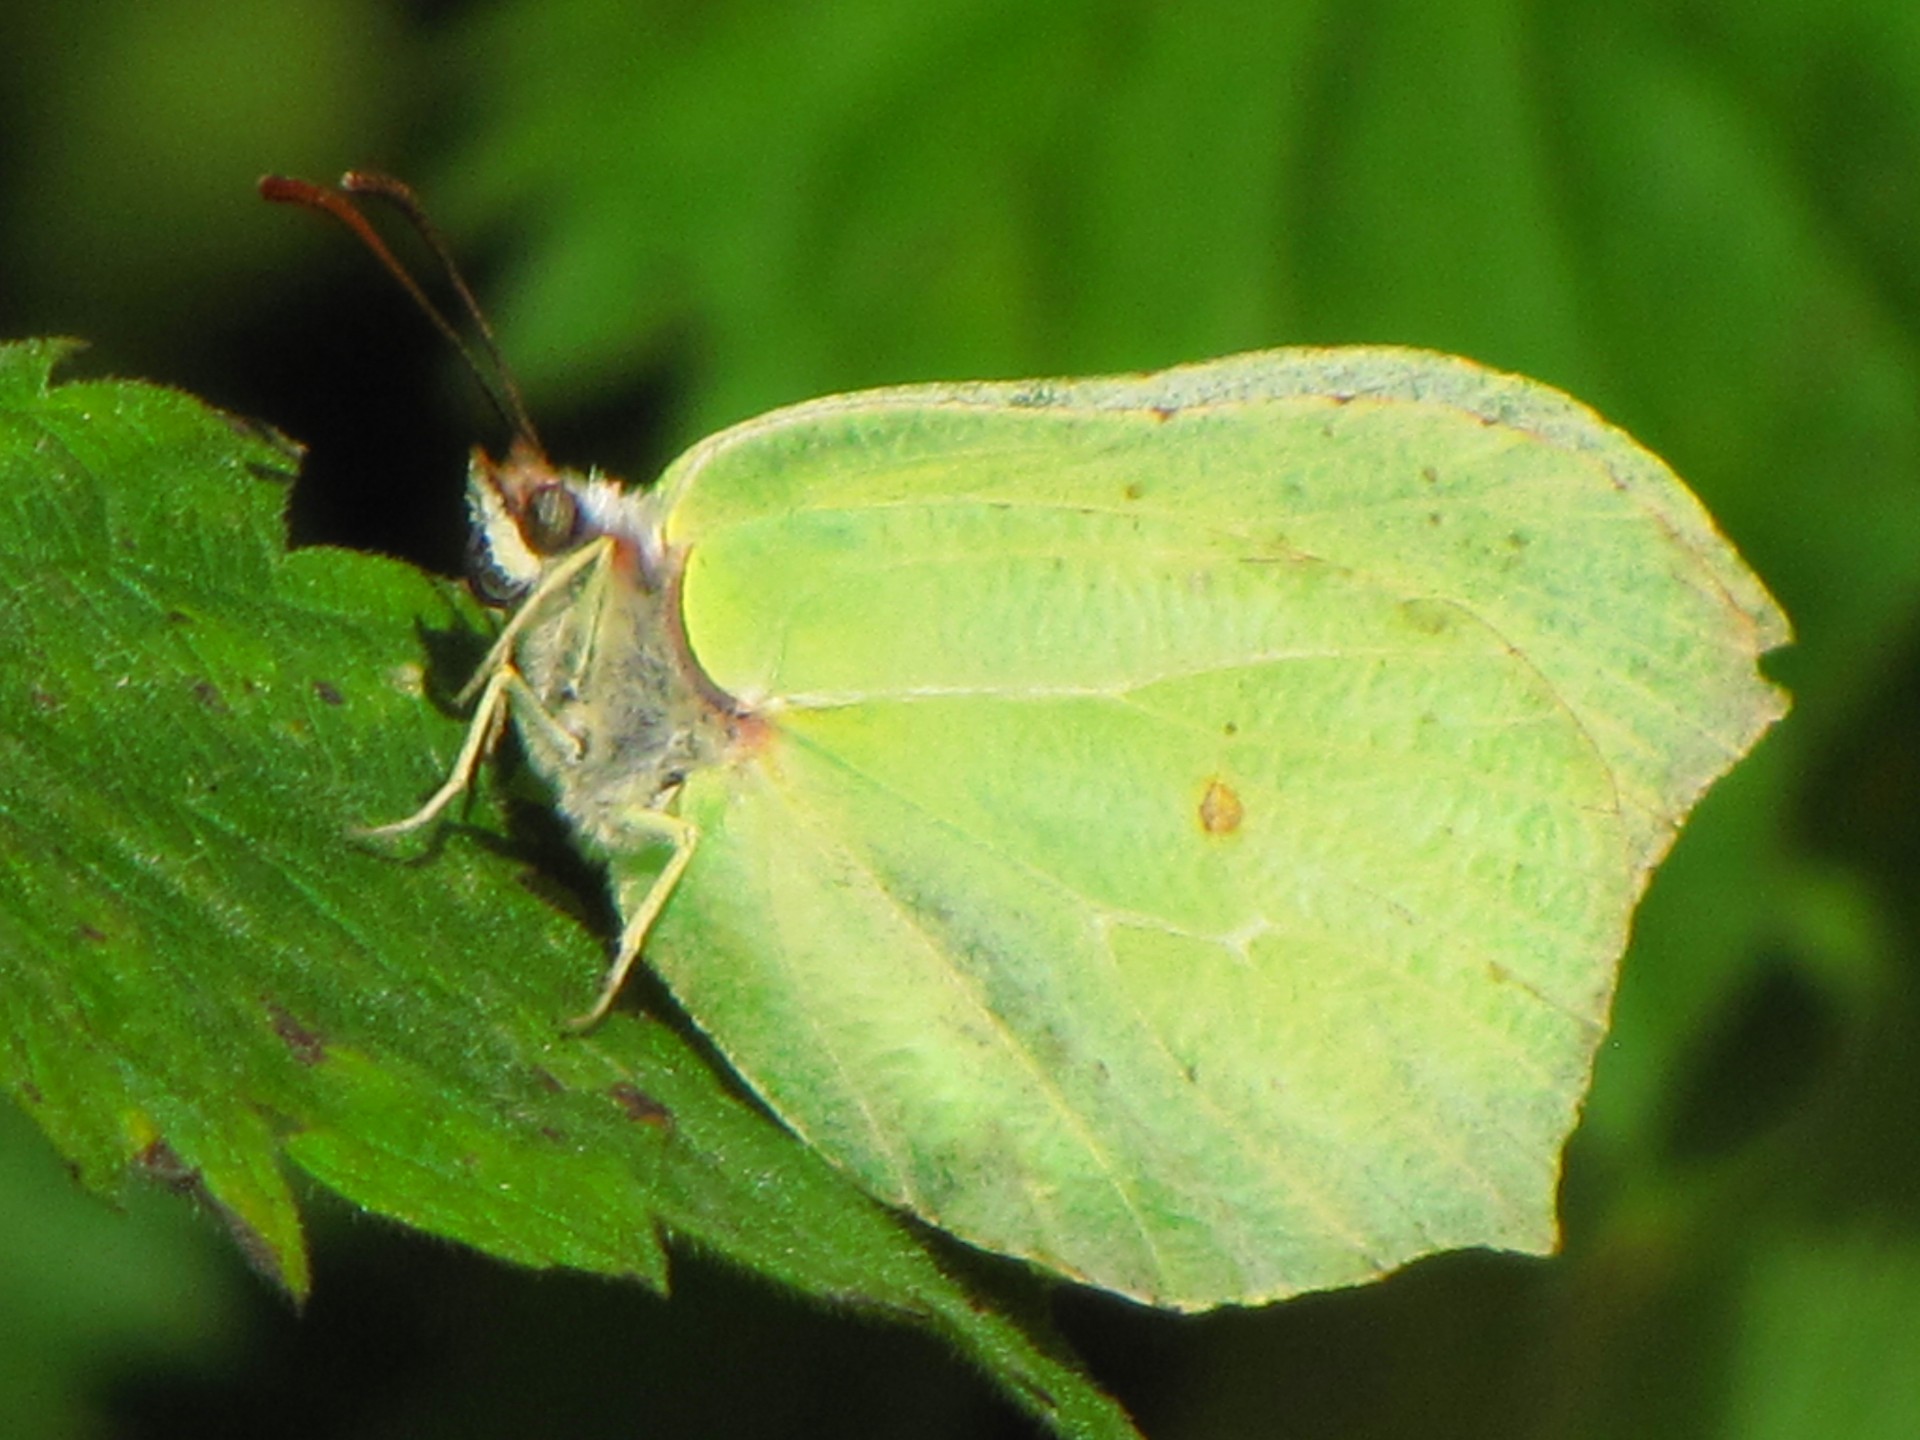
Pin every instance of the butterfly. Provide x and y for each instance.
(1179, 829)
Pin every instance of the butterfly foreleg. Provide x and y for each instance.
(505, 692)
(589, 557)
(489, 718)
(501, 685)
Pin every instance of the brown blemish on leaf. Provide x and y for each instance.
(208, 694)
(162, 1163)
(306, 1047)
(1163, 413)
(159, 1161)
(1220, 809)
(640, 1106)
(327, 694)
(1134, 490)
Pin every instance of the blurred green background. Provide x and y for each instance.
(1697, 215)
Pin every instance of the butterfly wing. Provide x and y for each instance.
(1196, 817)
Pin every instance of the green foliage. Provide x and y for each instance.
(1828, 1341)
(83, 1288)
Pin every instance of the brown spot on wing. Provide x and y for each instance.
(1220, 809)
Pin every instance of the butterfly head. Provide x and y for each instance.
(528, 515)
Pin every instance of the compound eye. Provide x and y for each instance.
(491, 585)
(551, 518)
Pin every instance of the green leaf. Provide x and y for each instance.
(201, 973)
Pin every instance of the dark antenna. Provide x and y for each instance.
(488, 365)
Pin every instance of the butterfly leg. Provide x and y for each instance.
(589, 558)
(504, 689)
(500, 685)
(682, 835)
(489, 716)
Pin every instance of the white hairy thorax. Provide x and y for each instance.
(593, 669)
